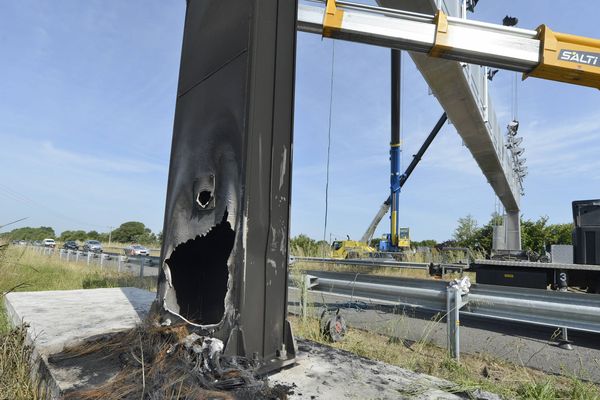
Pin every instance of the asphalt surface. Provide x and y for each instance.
(523, 344)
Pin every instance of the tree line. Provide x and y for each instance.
(536, 235)
(127, 232)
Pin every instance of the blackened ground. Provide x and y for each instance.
(199, 273)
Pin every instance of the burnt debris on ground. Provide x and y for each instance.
(162, 362)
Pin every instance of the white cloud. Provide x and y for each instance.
(93, 162)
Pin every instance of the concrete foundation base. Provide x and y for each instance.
(59, 319)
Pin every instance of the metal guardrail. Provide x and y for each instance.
(560, 310)
(370, 262)
(143, 266)
(576, 311)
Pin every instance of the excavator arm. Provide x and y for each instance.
(540, 53)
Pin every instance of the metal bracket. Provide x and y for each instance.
(440, 43)
(332, 20)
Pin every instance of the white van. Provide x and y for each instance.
(49, 243)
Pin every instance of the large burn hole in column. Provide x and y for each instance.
(199, 274)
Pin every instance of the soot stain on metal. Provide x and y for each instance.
(200, 274)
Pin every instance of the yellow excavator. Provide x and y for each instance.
(350, 249)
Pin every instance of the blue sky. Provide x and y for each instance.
(87, 98)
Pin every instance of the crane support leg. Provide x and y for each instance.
(368, 235)
(396, 58)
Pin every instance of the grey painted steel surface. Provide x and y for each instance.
(534, 306)
(224, 256)
(460, 88)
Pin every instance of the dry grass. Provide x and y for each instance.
(24, 270)
(474, 372)
(15, 382)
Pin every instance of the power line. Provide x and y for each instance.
(13, 222)
(24, 199)
(329, 140)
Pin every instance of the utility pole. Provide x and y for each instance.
(110, 234)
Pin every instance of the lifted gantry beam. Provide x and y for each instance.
(541, 53)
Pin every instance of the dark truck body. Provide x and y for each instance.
(583, 271)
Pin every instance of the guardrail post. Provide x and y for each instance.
(563, 284)
(456, 298)
(141, 267)
(119, 263)
(304, 297)
(101, 260)
(564, 342)
(453, 322)
(88, 257)
(77, 256)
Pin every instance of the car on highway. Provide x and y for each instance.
(93, 246)
(136, 250)
(70, 245)
(49, 243)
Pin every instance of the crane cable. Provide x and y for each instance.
(515, 97)
(329, 142)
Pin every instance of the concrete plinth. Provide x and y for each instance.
(59, 319)
(62, 318)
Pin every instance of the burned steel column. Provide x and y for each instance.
(225, 250)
